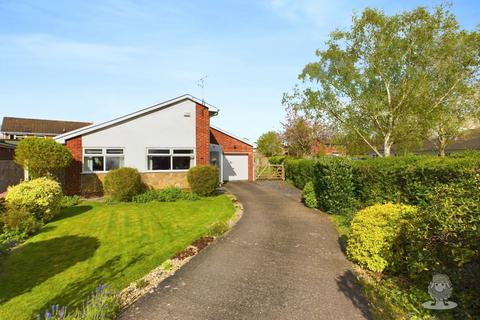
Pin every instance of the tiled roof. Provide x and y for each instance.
(40, 126)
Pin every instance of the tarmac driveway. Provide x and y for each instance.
(281, 261)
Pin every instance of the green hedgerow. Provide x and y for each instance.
(373, 233)
(123, 183)
(203, 180)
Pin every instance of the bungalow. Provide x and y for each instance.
(162, 141)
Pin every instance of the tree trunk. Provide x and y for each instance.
(386, 146)
(442, 145)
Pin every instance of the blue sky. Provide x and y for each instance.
(96, 60)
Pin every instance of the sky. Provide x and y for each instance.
(100, 59)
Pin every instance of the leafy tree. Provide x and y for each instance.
(299, 137)
(393, 78)
(41, 157)
(270, 144)
(303, 129)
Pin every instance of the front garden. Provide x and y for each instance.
(402, 220)
(100, 243)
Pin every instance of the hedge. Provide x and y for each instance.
(299, 171)
(341, 183)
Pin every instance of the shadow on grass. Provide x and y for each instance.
(107, 273)
(33, 263)
(349, 286)
(72, 211)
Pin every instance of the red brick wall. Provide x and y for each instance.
(202, 127)
(232, 145)
(73, 173)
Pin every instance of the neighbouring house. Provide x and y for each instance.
(468, 140)
(14, 129)
(10, 172)
(327, 149)
(162, 141)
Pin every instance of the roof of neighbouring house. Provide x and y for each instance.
(468, 140)
(75, 133)
(39, 126)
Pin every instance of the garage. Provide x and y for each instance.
(235, 167)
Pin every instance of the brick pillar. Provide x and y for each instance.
(73, 173)
(202, 131)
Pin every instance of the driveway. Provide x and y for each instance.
(281, 261)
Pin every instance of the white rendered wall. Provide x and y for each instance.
(165, 128)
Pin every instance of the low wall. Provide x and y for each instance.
(10, 174)
(92, 184)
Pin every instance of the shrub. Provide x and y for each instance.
(277, 159)
(21, 220)
(445, 234)
(203, 180)
(41, 157)
(299, 171)
(309, 196)
(190, 196)
(218, 228)
(170, 194)
(147, 196)
(123, 184)
(70, 201)
(374, 230)
(41, 197)
(333, 185)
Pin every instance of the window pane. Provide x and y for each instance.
(183, 151)
(113, 163)
(181, 163)
(158, 151)
(92, 164)
(114, 151)
(158, 163)
(93, 151)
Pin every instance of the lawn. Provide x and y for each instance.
(95, 243)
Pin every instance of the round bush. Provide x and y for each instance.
(41, 197)
(309, 196)
(123, 184)
(373, 233)
(203, 180)
(42, 157)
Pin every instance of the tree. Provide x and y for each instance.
(391, 75)
(303, 129)
(298, 136)
(41, 157)
(270, 144)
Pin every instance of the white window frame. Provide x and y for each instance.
(171, 154)
(104, 154)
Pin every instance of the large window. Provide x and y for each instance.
(102, 159)
(170, 159)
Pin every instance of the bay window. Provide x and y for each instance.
(170, 159)
(102, 159)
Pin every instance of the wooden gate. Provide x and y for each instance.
(267, 171)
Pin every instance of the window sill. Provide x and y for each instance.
(165, 171)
